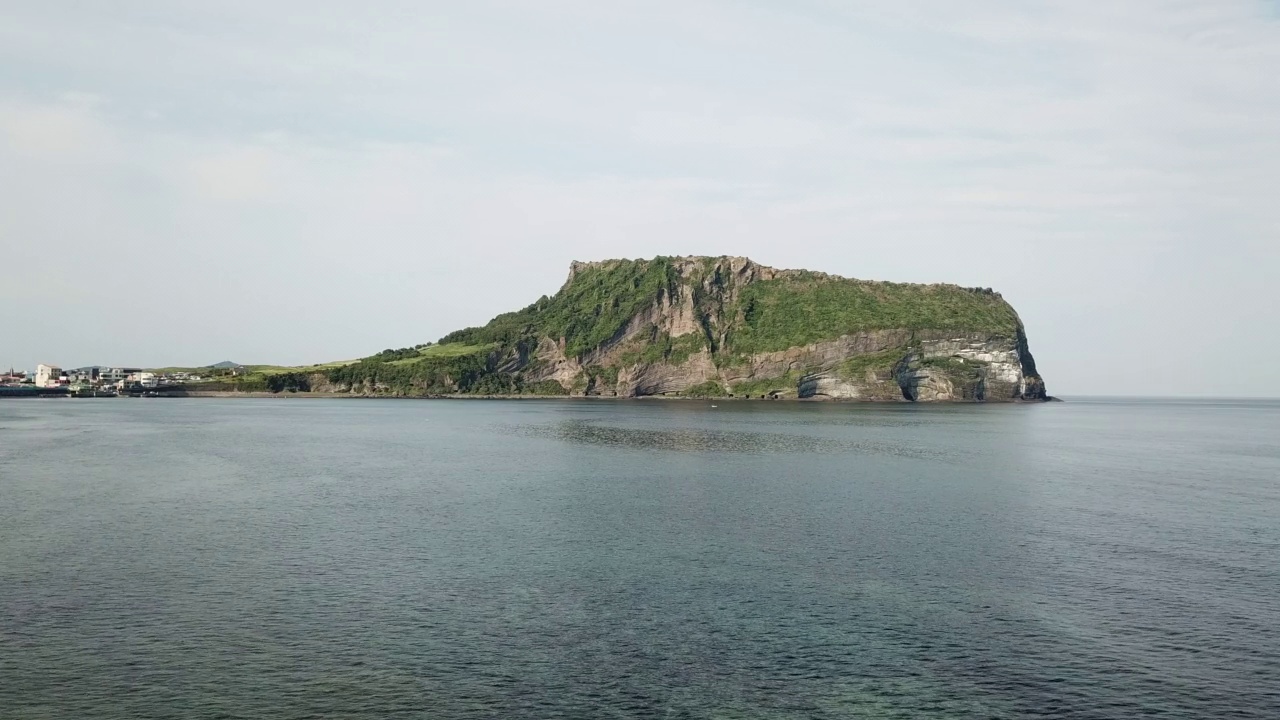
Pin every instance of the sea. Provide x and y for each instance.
(342, 558)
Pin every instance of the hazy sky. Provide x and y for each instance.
(294, 182)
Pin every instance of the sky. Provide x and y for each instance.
(188, 182)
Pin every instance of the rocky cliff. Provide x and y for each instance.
(726, 326)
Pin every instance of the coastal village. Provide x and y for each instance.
(95, 381)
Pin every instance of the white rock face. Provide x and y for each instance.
(659, 378)
(930, 386)
(997, 367)
(554, 364)
(1001, 357)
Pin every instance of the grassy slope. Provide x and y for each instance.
(435, 368)
(586, 313)
(449, 350)
(783, 313)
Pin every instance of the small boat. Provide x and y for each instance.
(92, 393)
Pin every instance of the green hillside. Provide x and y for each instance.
(618, 317)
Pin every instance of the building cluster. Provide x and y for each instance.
(52, 376)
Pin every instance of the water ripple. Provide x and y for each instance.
(245, 559)
(697, 440)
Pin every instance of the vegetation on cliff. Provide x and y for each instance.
(588, 311)
(793, 308)
(805, 308)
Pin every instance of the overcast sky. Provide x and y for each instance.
(295, 182)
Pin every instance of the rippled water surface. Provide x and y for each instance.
(600, 559)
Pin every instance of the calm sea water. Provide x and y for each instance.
(599, 559)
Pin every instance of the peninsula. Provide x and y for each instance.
(709, 327)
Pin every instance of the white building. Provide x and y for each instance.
(48, 375)
(115, 374)
(145, 379)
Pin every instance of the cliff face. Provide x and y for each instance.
(728, 327)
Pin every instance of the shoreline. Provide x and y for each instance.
(662, 398)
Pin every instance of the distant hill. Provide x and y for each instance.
(707, 327)
(717, 326)
(225, 365)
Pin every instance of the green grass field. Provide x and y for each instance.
(447, 350)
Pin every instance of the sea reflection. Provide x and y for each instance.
(698, 440)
